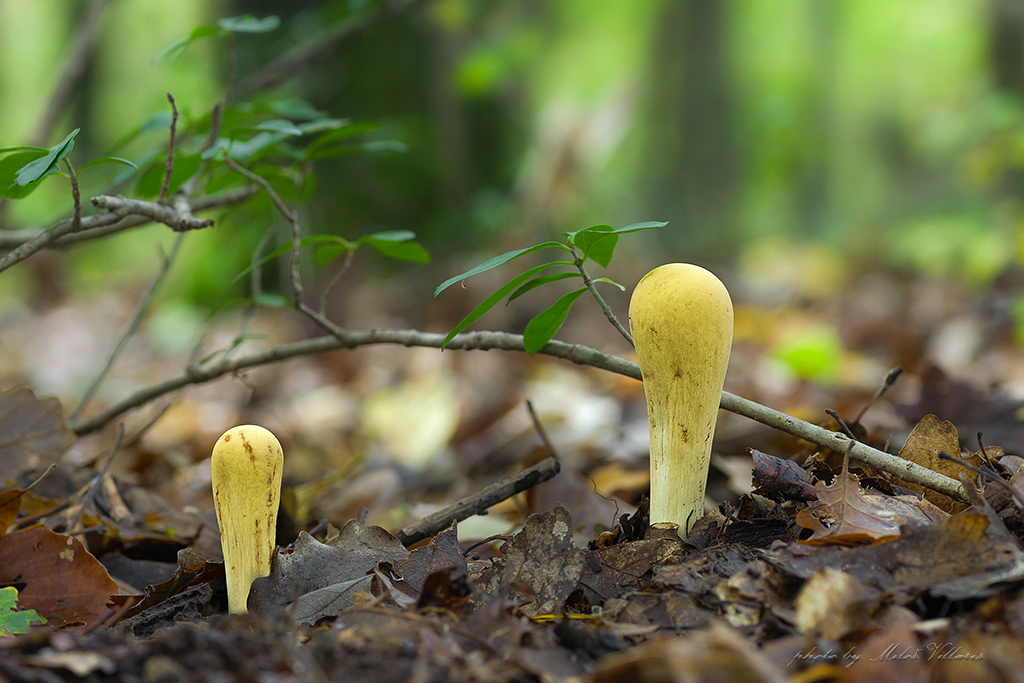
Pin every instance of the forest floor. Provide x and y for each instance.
(804, 567)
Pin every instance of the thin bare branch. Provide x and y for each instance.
(187, 189)
(104, 224)
(76, 198)
(479, 502)
(170, 150)
(178, 217)
(40, 241)
(295, 269)
(293, 220)
(133, 325)
(605, 308)
(505, 341)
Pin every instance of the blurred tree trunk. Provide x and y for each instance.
(1006, 62)
(690, 162)
(814, 183)
(1006, 45)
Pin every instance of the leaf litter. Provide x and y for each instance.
(823, 570)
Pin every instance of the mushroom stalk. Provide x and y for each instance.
(681, 318)
(246, 465)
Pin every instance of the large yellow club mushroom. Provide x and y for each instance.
(246, 463)
(681, 319)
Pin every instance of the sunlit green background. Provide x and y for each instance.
(888, 131)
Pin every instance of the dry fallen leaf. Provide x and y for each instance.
(962, 557)
(10, 504)
(834, 603)
(717, 654)
(846, 514)
(927, 440)
(333, 572)
(62, 580)
(541, 564)
(32, 433)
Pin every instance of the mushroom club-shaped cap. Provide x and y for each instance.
(246, 466)
(681, 319)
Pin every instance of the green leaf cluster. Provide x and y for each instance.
(246, 23)
(596, 243)
(396, 244)
(23, 166)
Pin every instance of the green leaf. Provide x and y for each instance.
(280, 126)
(493, 299)
(397, 244)
(545, 325)
(47, 164)
(637, 227)
(108, 160)
(323, 123)
(294, 108)
(390, 236)
(174, 50)
(271, 299)
(245, 149)
(358, 148)
(611, 282)
(247, 23)
(22, 148)
(413, 252)
(9, 167)
(593, 244)
(345, 131)
(496, 261)
(538, 282)
(13, 622)
(328, 253)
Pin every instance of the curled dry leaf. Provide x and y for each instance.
(780, 479)
(846, 514)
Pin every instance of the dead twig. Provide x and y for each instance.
(505, 341)
(170, 150)
(1016, 496)
(101, 225)
(133, 325)
(479, 502)
(178, 218)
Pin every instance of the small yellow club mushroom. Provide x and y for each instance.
(246, 465)
(681, 319)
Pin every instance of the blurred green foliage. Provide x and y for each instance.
(888, 130)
